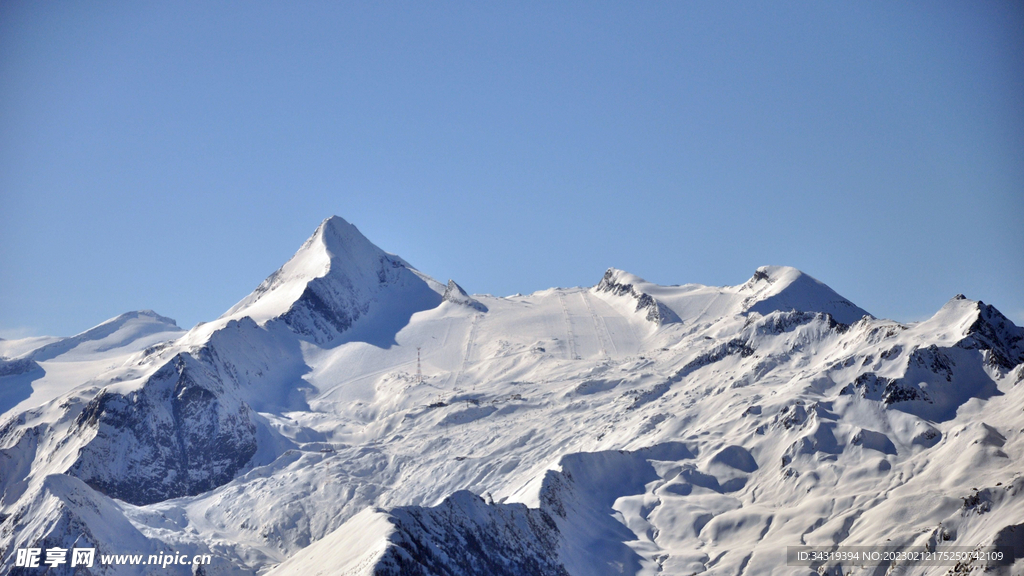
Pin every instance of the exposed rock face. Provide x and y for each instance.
(180, 434)
(465, 536)
(995, 333)
(654, 311)
(573, 525)
(456, 295)
(19, 366)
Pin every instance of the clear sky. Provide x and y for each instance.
(170, 155)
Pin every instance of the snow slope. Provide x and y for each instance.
(37, 370)
(354, 416)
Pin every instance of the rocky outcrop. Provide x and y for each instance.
(456, 295)
(465, 536)
(179, 434)
(19, 366)
(995, 333)
(646, 304)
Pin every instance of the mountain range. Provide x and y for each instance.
(352, 415)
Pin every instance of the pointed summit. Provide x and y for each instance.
(338, 238)
(456, 295)
(975, 325)
(336, 278)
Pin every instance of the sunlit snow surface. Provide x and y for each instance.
(354, 416)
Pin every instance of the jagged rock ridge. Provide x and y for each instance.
(456, 295)
(656, 312)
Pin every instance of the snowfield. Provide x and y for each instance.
(353, 416)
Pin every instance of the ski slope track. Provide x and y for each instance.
(626, 428)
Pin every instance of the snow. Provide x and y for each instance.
(351, 550)
(337, 278)
(790, 289)
(136, 329)
(624, 428)
(278, 292)
(67, 363)
(19, 347)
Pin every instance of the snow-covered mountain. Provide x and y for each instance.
(354, 416)
(338, 279)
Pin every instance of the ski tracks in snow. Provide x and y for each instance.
(600, 328)
(568, 328)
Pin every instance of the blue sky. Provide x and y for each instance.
(172, 155)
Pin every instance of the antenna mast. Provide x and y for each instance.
(419, 370)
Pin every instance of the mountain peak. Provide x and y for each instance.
(454, 292)
(787, 288)
(622, 283)
(335, 278)
(337, 236)
(336, 222)
(456, 295)
(136, 326)
(772, 274)
(981, 326)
